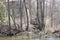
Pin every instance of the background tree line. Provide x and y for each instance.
(29, 15)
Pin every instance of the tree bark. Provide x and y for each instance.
(30, 9)
(13, 16)
(24, 1)
(9, 18)
(42, 7)
(38, 15)
(21, 9)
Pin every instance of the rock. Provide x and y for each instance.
(3, 35)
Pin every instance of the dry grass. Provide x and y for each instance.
(14, 38)
(52, 29)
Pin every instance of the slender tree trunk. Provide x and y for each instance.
(30, 9)
(42, 7)
(21, 14)
(9, 18)
(43, 25)
(14, 19)
(26, 15)
(38, 14)
(52, 11)
(13, 14)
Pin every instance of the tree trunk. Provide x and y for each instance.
(21, 9)
(52, 11)
(26, 15)
(42, 7)
(30, 9)
(13, 16)
(9, 18)
(38, 14)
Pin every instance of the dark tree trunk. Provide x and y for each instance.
(21, 14)
(42, 7)
(9, 18)
(40, 20)
(43, 25)
(26, 15)
(38, 14)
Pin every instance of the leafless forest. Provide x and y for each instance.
(18, 16)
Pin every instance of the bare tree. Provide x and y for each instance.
(13, 16)
(30, 9)
(9, 18)
(24, 1)
(52, 11)
(38, 14)
(41, 18)
(42, 7)
(21, 12)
